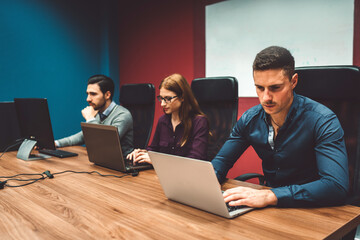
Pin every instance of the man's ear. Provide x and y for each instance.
(107, 95)
(294, 80)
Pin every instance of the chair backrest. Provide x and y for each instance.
(218, 99)
(9, 127)
(337, 88)
(139, 99)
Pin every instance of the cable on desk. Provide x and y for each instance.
(48, 174)
(21, 185)
(102, 175)
(23, 174)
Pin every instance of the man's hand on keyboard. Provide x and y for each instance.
(250, 197)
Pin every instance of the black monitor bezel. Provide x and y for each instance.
(34, 121)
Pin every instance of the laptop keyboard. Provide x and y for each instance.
(139, 166)
(58, 153)
(233, 208)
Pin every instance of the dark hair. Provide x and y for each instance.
(105, 83)
(275, 57)
(189, 108)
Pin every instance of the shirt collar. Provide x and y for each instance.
(109, 109)
(168, 121)
(293, 108)
(290, 114)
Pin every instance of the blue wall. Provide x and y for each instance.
(48, 49)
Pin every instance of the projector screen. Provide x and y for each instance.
(317, 33)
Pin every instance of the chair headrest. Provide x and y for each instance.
(142, 93)
(215, 89)
(329, 82)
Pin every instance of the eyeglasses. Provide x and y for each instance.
(166, 99)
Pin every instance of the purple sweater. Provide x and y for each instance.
(167, 141)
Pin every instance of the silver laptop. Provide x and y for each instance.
(103, 147)
(192, 182)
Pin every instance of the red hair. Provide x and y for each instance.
(189, 107)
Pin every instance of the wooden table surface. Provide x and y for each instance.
(83, 206)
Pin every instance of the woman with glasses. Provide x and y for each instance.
(183, 130)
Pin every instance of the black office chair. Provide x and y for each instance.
(218, 99)
(139, 99)
(337, 88)
(9, 127)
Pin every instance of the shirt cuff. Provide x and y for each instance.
(219, 176)
(57, 144)
(283, 194)
(91, 120)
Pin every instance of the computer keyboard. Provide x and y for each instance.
(233, 208)
(58, 153)
(138, 166)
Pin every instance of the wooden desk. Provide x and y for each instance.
(83, 206)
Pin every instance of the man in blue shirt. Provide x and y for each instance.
(300, 142)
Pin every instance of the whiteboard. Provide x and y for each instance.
(317, 33)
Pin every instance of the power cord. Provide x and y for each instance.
(48, 174)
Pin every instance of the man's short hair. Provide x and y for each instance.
(105, 83)
(275, 57)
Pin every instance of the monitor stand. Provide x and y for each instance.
(25, 149)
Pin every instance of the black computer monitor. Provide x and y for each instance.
(35, 127)
(9, 127)
(34, 121)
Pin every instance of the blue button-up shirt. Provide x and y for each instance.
(307, 164)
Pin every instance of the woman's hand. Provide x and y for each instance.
(139, 156)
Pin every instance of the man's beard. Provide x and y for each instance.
(96, 108)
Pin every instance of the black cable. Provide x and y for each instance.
(11, 178)
(47, 174)
(17, 142)
(22, 174)
(22, 185)
(23, 180)
(102, 175)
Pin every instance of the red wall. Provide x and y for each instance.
(161, 37)
(157, 39)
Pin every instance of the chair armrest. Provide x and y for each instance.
(248, 176)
